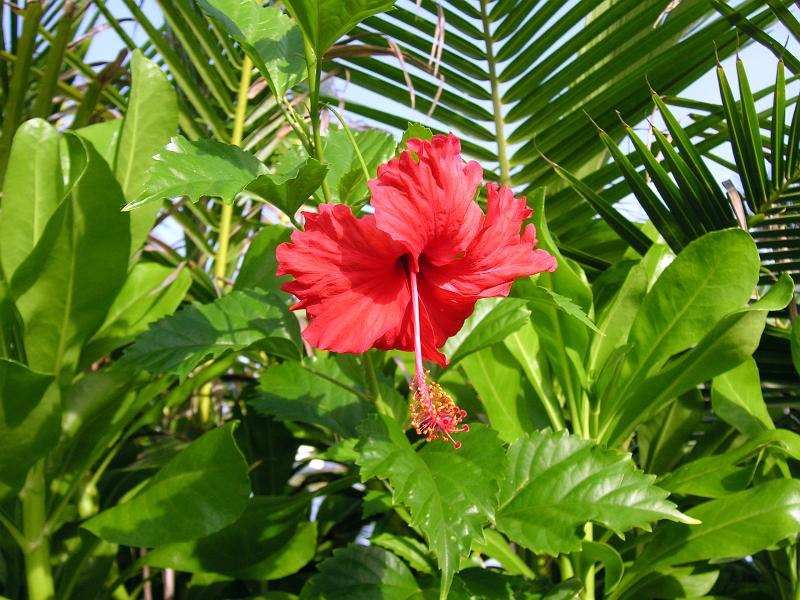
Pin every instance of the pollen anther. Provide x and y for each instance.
(434, 414)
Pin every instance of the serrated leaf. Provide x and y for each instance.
(201, 490)
(178, 343)
(272, 539)
(270, 38)
(450, 493)
(289, 191)
(361, 573)
(557, 482)
(308, 394)
(195, 169)
(414, 131)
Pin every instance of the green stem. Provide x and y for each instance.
(497, 100)
(352, 139)
(34, 516)
(55, 56)
(221, 260)
(314, 75)
(369, 367)
(14, 103)
(588, 578)
(18, 536)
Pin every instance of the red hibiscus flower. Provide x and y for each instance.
(408, 276)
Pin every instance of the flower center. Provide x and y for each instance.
(433, 412)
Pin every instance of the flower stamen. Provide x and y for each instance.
(433, 412)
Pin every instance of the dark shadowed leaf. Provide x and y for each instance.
(361, 573)
(200, 491)
(272, 539)
(259, 264)
(30, 420)
(316, 392)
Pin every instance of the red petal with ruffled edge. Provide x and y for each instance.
(348, 276)
(429, 205)
(497, 255)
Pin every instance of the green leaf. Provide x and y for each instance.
(736, 398)
(732, 527)
(195, 169)
(498, 548)
(272, 539)
(325, 21)
(104, 136)
(30, 421)
(150, 121)
(33, 189)
(178, 343)
(538, 296)
(594, 552)
(318, 393)
(345, 173)
(450, 493)
(501, 387)
(415, 131)
(411, 550)
(260, 264)
(289, 191)
(150, 292)
(361, 573)
(200, 491)
(563, 338)
(492, 321)
(732, 341)
(556, 483)
(64, 288)
(711, 277)
(270, 38)
(720, 475)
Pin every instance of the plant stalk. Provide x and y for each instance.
(38, 572)
(14, 103)
(314, 76)
(497, 100)
(221, 260)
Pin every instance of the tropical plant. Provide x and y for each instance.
(170, 433)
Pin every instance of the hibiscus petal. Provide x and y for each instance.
(349, 278)
(497, 255)
(441, 316)
(428, 205)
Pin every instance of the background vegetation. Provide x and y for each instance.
(165, 432)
